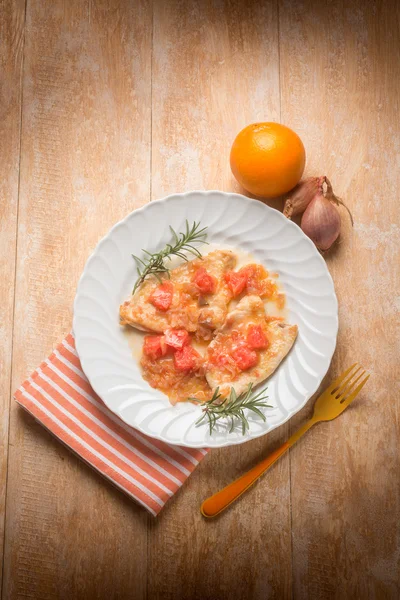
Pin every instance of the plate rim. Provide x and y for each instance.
(181, 196)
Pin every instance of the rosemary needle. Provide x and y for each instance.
(232, 408)
(153, 263)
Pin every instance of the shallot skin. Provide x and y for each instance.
(301, 196)
(321, 222)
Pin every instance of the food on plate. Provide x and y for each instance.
(252, 279)
(248, 347)
(267, 159)
(209, 338)
(154, 264)
(195, 297)
(232, 407)
(171, 364)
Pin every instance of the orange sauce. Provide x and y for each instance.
(222, 353)
(179, 386)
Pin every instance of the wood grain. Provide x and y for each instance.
(124, 102)
(339, 74)
(214, 71)
(85, 164)
(12, 15)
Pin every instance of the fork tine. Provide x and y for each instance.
(345, 392)
(358, 389)
(335, 384)
(349, 381)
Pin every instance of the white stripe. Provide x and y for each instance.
(70, 348)
(68, 364)
(191, 458)
(128, 429)
(113, 434)
(98, 439)
(81, 373)
(92, 450)
(177, 449)
(85, 460)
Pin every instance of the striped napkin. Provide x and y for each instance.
(59, 396)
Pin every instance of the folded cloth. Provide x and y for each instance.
(59, 396)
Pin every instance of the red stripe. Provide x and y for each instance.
(101, 433)
(112, 425)
(153, 487)
(168, 449)
(93, 460)
(85, 386)
(70, 340)
(77, 379)
(74, 360)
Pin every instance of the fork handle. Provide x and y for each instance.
(218, 502)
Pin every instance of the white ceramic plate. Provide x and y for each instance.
(231, 220)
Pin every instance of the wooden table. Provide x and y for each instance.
(107, 104)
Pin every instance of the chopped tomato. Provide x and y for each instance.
(251, 277)
(177, 338)
(161, 298)
(256, 338)
(236, 281)
(254, 277)
(186, 359)
(206, 283)
(250, 270)
(154, 346)
(245, 358)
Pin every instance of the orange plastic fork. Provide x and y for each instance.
(328, 406)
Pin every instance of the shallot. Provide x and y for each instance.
(321, 219)
(302, 195)
(321, 222)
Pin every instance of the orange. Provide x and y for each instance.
(267, 159)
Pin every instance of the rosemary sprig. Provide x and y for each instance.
(183, 242)
(232, 408)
